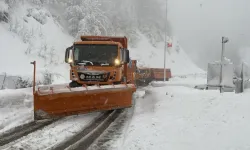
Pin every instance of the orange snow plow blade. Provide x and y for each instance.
(54, 102)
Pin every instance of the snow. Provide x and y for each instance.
(3, 6)
(14, 116)
(186, 80)
(167, 115)
(176, 59)
(16, 108)
(38, 36)
(7, 49)
(181, 117)
(54, 134)
(34, 32)
(65, 89)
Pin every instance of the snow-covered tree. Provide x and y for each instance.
(37, 2)
(3, 6)
(94, 21)
(23, 83)
(4, 15)
(73, 15)
(11, 2)
(86, 17)
(130, 16)
(122, 16)
(150, 19)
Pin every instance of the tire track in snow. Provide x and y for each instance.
(52, 135)
(117, 131)
(84, 139)
(103, 129)
(23, 130)
(114, 131)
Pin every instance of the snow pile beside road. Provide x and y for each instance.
(188, 81)
(16, 108)
(17, 97)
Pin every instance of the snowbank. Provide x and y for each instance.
(10, 97)
(16, 108)
(186, 80)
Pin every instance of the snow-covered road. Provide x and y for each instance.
(178, 117)
(54, 134)
(166, 116)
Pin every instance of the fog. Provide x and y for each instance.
(200, 24)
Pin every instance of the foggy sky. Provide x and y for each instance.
(200, 24)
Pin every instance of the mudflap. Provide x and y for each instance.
(54, 105)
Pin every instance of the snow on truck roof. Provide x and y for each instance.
(120, 39)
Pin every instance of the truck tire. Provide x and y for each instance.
(74, 84)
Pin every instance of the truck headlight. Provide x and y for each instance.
(117, 62)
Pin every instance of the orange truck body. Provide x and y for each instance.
(146, 75)
(94, 86)
(158, 74)
(114, 74)
(143, 76)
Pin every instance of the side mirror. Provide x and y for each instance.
(68, 55)
(127, 56)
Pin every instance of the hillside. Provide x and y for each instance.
(37, 35)
(176, 58)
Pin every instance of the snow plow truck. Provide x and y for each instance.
(102, 78)
(146, 75)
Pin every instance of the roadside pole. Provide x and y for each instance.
(243, 78)
(223, 41)
(165, 43)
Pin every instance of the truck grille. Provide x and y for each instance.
(88, 77)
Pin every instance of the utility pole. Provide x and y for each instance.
(165, 46)
(223, 41)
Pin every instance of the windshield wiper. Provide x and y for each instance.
(85, 61)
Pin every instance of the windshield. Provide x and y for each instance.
(95, 54)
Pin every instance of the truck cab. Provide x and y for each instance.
(98, 60)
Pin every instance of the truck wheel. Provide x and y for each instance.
(74, 84)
